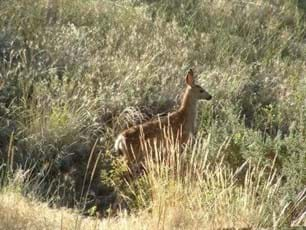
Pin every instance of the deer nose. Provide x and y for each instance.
(209, 97)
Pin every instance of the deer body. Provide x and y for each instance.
(180, 124)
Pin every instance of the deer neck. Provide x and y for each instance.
(189, 110)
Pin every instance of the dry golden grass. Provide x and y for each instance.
(214, 201)
(94, 67)
(18, 212)
(185, 190)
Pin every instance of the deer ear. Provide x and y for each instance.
(189, 78)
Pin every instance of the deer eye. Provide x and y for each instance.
(201, 91)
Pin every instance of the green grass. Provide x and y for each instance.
(69, 85)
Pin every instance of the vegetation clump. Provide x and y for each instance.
(73, 74)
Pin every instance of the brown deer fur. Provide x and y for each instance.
(180, 123)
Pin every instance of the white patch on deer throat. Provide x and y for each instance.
(191, 119)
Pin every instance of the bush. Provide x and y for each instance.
(70, 84)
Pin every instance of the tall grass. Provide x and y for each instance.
(70, 84)
(183, 190)
(187, 190)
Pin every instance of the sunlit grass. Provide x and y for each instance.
(72, 82)
(186, 190)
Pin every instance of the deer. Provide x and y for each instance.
(181, 123)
